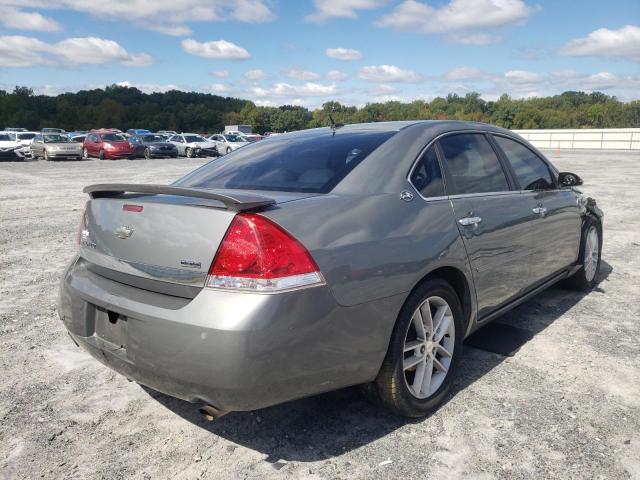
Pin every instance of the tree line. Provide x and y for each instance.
(125, 107)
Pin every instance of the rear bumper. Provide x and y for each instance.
(235, 351)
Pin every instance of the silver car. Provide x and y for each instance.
(193, 145)
(55, 146)
(315, 260)
(227, 143)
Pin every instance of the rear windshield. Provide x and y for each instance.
(307, 163)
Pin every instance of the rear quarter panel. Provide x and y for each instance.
(377, 246)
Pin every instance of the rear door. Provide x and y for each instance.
(494, 220)
(557, 215)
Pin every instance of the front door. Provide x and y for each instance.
(494, 219)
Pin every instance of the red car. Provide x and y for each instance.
(107, 144)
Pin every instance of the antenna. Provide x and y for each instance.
(334, 125)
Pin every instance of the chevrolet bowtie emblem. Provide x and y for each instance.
(124, 231)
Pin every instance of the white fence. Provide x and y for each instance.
(594, 138)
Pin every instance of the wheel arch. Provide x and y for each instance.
(460, 284)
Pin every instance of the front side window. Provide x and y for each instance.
(532, 173)
(312, 163)
(5, 137)
(426, 176)
(472, 165)
(194, 138)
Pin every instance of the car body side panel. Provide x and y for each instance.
(378, 246)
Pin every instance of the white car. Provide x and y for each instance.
(11, 149)
(227, 143)
(24, 138)
(193, 145)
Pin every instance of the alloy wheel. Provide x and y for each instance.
(428, 347)
(591, 251)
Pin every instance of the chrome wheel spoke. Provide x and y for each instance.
(440, 366)
(413, 344)
(412, 361)
(418, 324)
(443, 327)
(425, 384)
(427, 320)
(443, 351)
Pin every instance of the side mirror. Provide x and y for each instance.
(568, 179)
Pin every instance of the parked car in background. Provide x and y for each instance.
(15, 129)
(11, 149)
(251, 137)
(24, 138)
(53, 130)
(226, 143)
(238, 129)
(55, 146)
(167, 132)
(370, 253)
(193, 145)
(106, 144)
(138, 131)
(153, 145)
(77, 137)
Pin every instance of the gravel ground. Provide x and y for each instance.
(567, 405)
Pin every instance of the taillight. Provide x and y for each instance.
(82, 232)
(258, 255)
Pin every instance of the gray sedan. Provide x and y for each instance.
(315, 260)
(55, 146)
(151, 146)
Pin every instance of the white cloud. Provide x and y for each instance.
(219, 49)
(522, 76)
(457, 15)
(388, 73)
(254, 75)
(218, 88)
(326, 9)
(149, 87)
(171, 17)
(19, 51)
(308, 89)
(344, 54)
(336, 75)
(474, 39)
(220, 73)
(621, 43)
(382, 90)
(464, 73)
(297, 74)
(19, 20)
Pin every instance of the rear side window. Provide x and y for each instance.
(309, 162)
(531, 171)
(426, 176)
(472, 165)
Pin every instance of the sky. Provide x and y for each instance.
(277, 52)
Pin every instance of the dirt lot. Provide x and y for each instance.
(567, 405)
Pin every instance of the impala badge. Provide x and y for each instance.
(123, 231)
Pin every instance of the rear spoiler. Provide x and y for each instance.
(237, 201)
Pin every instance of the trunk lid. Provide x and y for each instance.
(161, 242)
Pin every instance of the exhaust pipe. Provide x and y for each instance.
(211, 413)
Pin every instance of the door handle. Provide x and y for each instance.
(469, 221)
(540, 211)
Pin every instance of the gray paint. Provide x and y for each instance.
(241, 351)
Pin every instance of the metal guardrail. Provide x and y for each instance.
(598, 139)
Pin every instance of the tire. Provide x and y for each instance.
(85, 154)
(147, 154)
(101, 154)
(587, 276)
(46, 156)
(188, 152)
(396, 386)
